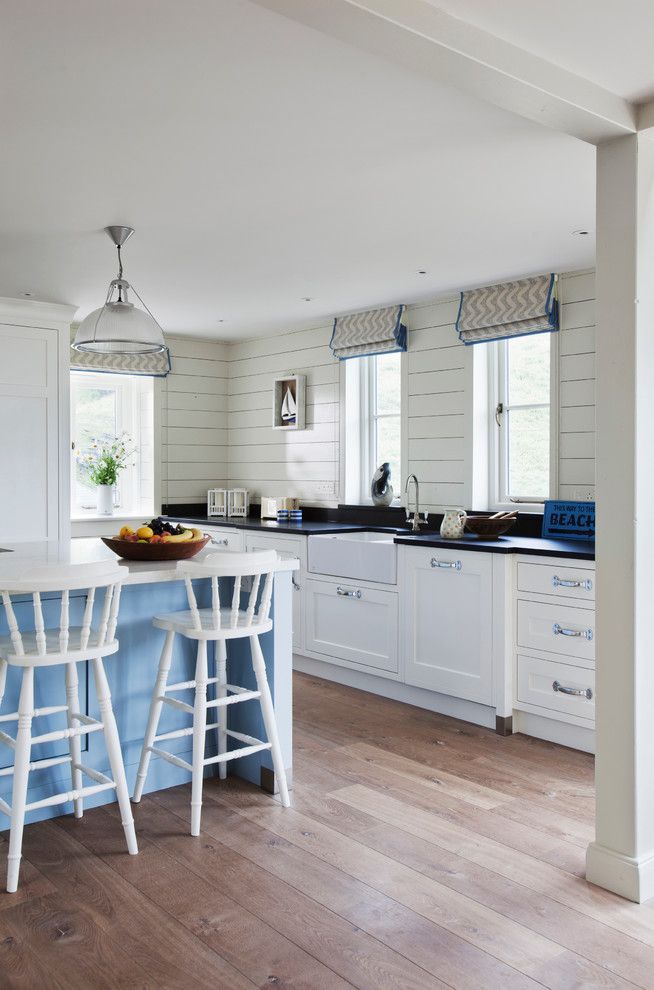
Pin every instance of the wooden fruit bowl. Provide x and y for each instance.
(155, 551)
(487, 528)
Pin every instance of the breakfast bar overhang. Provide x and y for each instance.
(149, 589)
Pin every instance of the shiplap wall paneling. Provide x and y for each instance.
(194, 420)
(439, 406)
(577, 385)
(303, 463)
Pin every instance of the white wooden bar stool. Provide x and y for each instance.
(69, 645)
(216, 624)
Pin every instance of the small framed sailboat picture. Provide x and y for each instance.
(289, 402)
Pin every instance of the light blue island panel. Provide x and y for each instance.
(131, 673)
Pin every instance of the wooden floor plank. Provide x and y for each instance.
(420, 852)
(171, 955)
(436, 949)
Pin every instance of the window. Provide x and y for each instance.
(103, 406)
(372, 422)
(520, 424)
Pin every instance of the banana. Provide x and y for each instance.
(197, 534)
(182, 537)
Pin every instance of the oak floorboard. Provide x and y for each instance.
(420, 852)
(172, 956)
(436, 949)
(622, 955)
(199, 905)
(344, 946)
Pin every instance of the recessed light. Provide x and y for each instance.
(221, 321)
(421, 271)
(581, 233)
(27, 294)
(306, 299)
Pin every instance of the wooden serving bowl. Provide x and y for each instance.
(489, 529)
(155, 551)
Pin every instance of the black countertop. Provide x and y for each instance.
(581, 549)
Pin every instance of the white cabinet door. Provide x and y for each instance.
(353, 623)
(447, 634)
(293, 546)
(29, 433)
(225, 538)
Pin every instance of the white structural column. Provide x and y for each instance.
(622, 856)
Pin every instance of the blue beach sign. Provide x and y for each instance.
(569, 521)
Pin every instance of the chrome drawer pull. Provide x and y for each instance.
(348, 593)
(577, 633)
(558, 582)
(296, 586)
(454, 565)
(220, 543)
(576, 692)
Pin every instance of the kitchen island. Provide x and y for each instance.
(149, 589)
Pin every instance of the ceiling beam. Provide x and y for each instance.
(421, 37)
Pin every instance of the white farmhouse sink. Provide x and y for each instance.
(362, 556)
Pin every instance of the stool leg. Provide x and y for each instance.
(74, 742)
(21, 777)
(199, 735)
(221, 692)
(114, 753)
(155, 714)
(3, 679)
(268, 712)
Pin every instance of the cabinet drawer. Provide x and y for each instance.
(557, 629)
(225, 539)
(354, 624)
(560, 582)
(557, 686)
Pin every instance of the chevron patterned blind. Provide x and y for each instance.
(512, 309)
(377, 331)
(153, 365)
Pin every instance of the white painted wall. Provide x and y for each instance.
(439, 406)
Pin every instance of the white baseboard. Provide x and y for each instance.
(467, 711)
(624, 875)
(563, 733)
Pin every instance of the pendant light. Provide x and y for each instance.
(120, 327)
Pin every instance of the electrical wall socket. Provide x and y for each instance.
(326, 488)
(585, 493)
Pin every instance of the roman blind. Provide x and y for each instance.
(376, 331)
(512, 309)
(153, 365)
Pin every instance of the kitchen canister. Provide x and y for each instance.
(282, 515)
(453, 524)
(295, 515)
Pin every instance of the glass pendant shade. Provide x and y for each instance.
(119, 327)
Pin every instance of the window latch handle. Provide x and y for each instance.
(499, 409)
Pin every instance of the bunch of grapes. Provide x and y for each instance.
(159, 527)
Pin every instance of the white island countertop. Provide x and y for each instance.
(91, 550)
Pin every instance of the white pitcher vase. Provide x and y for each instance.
(105, 500)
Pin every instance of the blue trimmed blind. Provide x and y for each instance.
(512, 309)
(152, 365)
(376, 331)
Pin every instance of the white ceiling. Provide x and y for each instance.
(260, 162)
(608, 42)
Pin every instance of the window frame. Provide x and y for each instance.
(358, 428)
(130, 389)
(498, 433)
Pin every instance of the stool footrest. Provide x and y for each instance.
(233, 699)
(52, 761)
(188, 685)
(37, 713)
(174, 703)
(169, 758)
(235, 754)
(92, 725)
(179, 733)
(102, 783)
